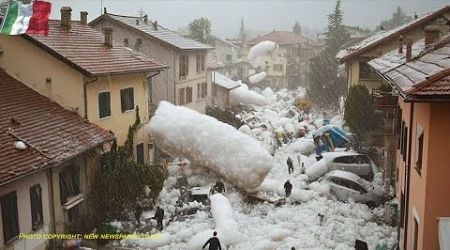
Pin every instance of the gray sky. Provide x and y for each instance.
(258, 15)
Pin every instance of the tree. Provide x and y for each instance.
(359, 112)
(398, 18)
(199, 29)
(297, 29)
(120, 181)
(325, 85)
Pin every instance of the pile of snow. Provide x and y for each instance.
(226, 226)
(257, 77)
(20, 145)
(317, 169)
(161, 239)
(267, 92)
(211, 144)
(302, 146)
(245, 96)
(245, 129)
(258, 50)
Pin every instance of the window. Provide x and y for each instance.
(127, 99)
(184, 65)
(138, 44)
(229, 58)
(188, 94)
(125, 42)
(204, 92)
(200, 63)
(69, 183)
(278, 67)
(419, 148)
(140, 153)
(36, 207)
(104, 104)
(181, 96)
(10, 216)
(198, 90)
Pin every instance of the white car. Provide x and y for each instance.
(345, 185)
(359, 164)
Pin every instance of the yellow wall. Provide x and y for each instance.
(118, 122)
(22, 188)
(32, 66)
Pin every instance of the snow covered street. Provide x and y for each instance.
(311, 218)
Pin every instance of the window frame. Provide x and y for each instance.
(182, 96)
(200, 63)
(108, 105)
(184, 66)
(74, 175)
(37, 220)
(126, 101)
(140, 158)
(188, 95)
(420, 133)
(204, 89)
(9, 237)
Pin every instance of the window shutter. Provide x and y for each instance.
(104, 104)
(140, 153)
(10, 216)
(122, 100)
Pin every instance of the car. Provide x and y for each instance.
(359, 164)
(199, 194)
(346, 185)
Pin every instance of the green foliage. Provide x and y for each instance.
(398, 18)
(297, 29)
(199, 29)
(325, 86)
(120, 181)
(359, 112)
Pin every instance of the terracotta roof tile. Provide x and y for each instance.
(384, 36)
(51, 133)
(83, 48)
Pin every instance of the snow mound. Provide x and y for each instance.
(258, 50)
(257, 77)
(302, 146)
(317, 169)
(20, 145)
(245, 129)
(267, 92)
(211, 144)
(245, 96)
(227, 227)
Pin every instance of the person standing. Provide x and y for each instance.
(159, 216)
(219, 187)
(214, 243)
(288, 188)
(290, 165)
(138, 213)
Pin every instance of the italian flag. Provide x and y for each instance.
(26, 18)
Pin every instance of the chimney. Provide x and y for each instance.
(400, 44)
(108, 36)
(145, 18)
(431, 34)
(83, 17)
(66, 13)
(415, 16)
(155, 25)
(137, 21)
(409, 43)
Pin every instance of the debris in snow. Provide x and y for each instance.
(267, 92)
(245, 96)
(258, 50)
(20, 145)
(227, 227)
(211, 144)
(257, 77)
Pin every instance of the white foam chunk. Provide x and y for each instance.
(257, 77)
(258, 50)
(226, 225)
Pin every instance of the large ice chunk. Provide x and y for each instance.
(211, 144)
(226, 226)
(245, 96)
(258, 50)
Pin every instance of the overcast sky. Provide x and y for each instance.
(258, 15)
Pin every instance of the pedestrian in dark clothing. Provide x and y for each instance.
(159, 216)
(288, 188)
(219, 187)
(214, 243)
(361, 245)
(138, 213)
(290, 165)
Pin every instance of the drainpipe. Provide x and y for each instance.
(52, 206)
(408, 182)
(85, 83)
(150, 82)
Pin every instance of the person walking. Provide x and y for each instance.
(288, 188)
(214, 243)
(290, 165)
(159, 216)
(138, 213)
(219, 187)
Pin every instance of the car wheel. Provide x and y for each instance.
(371, 204)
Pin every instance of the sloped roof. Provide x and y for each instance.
(212, 37)
(281, 38)
(223, 81)
(164, 35)
(383, 36)
(425, 76)
(52, 134)
(83, 48)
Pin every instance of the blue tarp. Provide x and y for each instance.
(337, 135)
